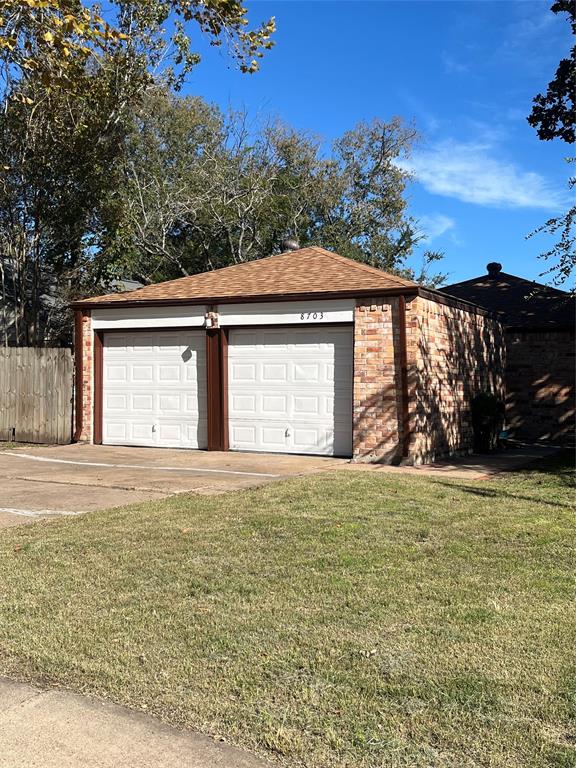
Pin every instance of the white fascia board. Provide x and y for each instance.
(287, 312)
(148, 317)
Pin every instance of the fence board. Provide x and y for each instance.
(36, 391)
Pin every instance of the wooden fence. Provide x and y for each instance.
(36, 394)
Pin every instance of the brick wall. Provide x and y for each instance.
(540, 385)
(377, 421)
(87, 377)
(454, 354)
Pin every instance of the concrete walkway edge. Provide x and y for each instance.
(58, 729)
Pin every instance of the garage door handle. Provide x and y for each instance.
(287, 432)
(153, 427)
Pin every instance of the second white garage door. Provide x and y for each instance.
(290, 390)
(154, 389)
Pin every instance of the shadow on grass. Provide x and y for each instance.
(557, 469)
(561, 465)
(501, 493)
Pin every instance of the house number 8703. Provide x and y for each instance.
(311, 315)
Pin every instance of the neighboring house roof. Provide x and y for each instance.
(305, 271)
(520, 303)
(122, 285)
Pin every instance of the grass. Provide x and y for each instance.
(350, 619)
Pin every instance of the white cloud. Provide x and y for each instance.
(453, 65)
(434, 224)
(471, 173)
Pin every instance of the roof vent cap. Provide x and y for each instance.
(290, 244)
(494, 268)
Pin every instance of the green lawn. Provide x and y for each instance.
(347, 619)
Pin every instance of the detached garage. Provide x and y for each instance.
(303, 352)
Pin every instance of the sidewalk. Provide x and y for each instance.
(474, 466)
(57, 729)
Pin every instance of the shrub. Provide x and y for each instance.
(487, 421)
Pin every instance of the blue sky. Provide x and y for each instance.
(465, 72)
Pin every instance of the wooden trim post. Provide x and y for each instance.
(98, 385)
(217, 389)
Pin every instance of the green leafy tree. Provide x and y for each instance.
(59, 159)
(44, 39)
(554, 117)
(204, 190)
(72, 85)
(554, 113)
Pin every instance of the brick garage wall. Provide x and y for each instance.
(453, 354)
(87, 367)
(540, 385)
(377, 405)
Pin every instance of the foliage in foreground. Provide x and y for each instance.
(71, 83)
(348, 619)
(553, 116)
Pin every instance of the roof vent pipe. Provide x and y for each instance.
(494, 269)
(290, 244)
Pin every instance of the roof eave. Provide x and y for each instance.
(396, 291)
(401, 290)
(436, 294)
(540, 327)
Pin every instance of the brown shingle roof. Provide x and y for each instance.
(309, 270)
(520, 303)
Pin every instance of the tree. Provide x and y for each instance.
(363, 214)
(71, 86)
(554, 117)
(203, 190)
(554, 114)
(43, 39)
(59, 158)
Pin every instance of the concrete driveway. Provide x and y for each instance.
(39, 481)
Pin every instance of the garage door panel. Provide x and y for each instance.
(291, 402)
(171, 403)
(140, 373)
(169, 374)
(243, 404)
(141, 430)
(274, 372)
(307, 405)
(116, 402)
(142, 402)
(306, 372)
(274, 405)
(242, 372)
(194, 371)
(115, 430)
(193, 403)
(243, 436)
(141, 345)
(155, 389)
(115, 372)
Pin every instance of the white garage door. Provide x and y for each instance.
(290, 390)
(155, 389)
